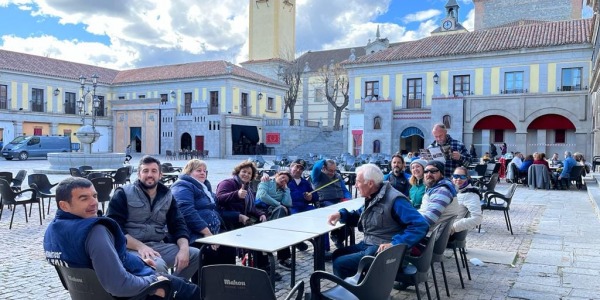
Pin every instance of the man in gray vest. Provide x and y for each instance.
(146, 210)
(387, 218)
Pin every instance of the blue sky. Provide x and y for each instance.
(125, 34)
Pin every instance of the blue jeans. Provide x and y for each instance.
(345, 260)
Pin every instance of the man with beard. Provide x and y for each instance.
(398, 178)
(142, 210)
(438, 202)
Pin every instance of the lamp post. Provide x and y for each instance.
(87, 134)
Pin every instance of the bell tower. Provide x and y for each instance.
(272, 30)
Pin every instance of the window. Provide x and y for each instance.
(571, 79)
(376, 146)
(188, 103)
(67, 132)
(164, 98)
(377, 123)
(100, 110)
(70, 103)
(371, 89)
(270, 103)
(121, 97)
(499, 136)
(37, 100)
(214, 103)
(141, 96)
(414, 96)
(462, 85)
(447, 121)
(244, 104)
(319, 95)
(513, 82)
(3, 96)
(560, 136)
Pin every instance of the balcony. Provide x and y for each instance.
(414, 103)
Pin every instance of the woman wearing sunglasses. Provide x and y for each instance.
(469, 202)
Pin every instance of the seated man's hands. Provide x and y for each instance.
(147, 252)
(334, 218)
(265, 178)
(182, 259)
(382, 247)
(160, 292)
(243, 219)
(263, 218)
(308, 196)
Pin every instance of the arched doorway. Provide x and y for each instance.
(497, 130)
(411, 140)
(551, 133)
(186, 141)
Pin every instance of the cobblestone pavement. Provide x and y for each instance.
(555, 239)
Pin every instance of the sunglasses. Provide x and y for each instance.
(458, 176)
(432, 171)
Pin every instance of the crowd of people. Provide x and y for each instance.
(150, 228)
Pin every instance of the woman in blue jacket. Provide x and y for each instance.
(197, 203)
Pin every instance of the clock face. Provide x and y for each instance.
(447, 24)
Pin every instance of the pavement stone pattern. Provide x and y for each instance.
(555, 238)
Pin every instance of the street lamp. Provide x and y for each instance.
(87, 134)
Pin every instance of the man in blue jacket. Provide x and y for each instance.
(564, 176)
(77, 238)
(387, 218)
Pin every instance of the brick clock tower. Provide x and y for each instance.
(494, 13)
(272, 30)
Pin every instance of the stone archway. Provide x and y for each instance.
(186, 141)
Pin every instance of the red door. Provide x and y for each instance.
(200, 143)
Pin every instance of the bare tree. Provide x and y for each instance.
(336, 85)
(291, 75)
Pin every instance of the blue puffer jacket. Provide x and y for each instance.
(64, 243)
(195, 206)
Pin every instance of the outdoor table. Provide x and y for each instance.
(107, 172)
(261, 239)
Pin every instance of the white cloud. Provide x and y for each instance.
(421, 16)
(115, 56)
(469, 22)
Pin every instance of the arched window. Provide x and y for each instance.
(377, 123)
(376, 146)
(447, 121)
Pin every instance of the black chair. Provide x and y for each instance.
(595, 162)
(460, 242)
(576, 177)
(438, 254)
(85, 169)
(95, 175)
(121, 176)
(480, 169)
(169, 155)
(225, 282)
(75, 172)
(374, 279)
(9, 197)
(418, 269)
(494, 200)
(490, 185)
(18, 180)
(83, 284)
(42, 185)
(8, 176)
(103, 186)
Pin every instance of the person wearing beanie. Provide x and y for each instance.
(397, 177)
(438, 205)
(455, 152)
(417, 189)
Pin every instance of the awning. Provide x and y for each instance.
(551, 121)
(495, 122)
(410, 131)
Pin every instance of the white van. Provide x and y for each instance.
(24, 147)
